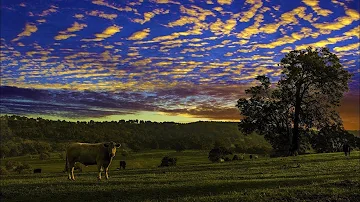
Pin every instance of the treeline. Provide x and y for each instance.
(21, 135)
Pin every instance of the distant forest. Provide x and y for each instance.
(21, 135)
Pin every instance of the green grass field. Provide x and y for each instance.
(314, 177)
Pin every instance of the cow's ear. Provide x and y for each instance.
(118, 145)
(106, 144)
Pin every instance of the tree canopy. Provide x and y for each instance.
(305, 98)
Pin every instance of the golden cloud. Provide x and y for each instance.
(223, 2)
(341, 22)
(29, 29)
(79, 16)
(76, 27)
(140, 34)
(102, 14)
(354, 46)
(108, 32)
(198, 12)
(353, 32)
(49, 11)
(64, 36)
(314, 4)
(251, 30)
(246, 16)
(324, 43)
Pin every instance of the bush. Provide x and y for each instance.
(21, 167)
(218, 153)
(168, 161)
(236, 158)
(44, 156)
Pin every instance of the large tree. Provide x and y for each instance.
(306, 97)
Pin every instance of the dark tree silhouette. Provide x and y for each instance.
(306, 97)
(218, 153)
(332, 138)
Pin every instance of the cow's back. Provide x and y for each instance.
(84, 153)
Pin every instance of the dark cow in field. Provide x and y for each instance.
(100, 154)
(346, 149)
(37, 170)
(122, 164)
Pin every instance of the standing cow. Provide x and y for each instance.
(100, 154)
(346, 149)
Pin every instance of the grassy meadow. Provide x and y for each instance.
(313, 177)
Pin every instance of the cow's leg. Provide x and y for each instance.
(106, 170)
(72, 173)
(70, 170)
(99, 171)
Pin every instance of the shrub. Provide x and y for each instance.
(218, 153)
(44, 156)
(168, 161)
(21, 167)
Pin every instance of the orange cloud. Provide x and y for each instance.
(29, 29)
(140, 34)
(341, 22)
(314, 4)
(246, 16)
(354, 46)
(102, 14)
(223, 2)
(108, 32)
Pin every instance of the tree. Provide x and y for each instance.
(168, 161)
(332, 139)
(218, 153)
(306, 97)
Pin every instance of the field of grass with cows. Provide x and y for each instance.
(313, 177)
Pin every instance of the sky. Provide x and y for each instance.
(162, 60)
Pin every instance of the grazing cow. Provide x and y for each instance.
(37, 170)
(346, 149)
(100, 154)
(122, 164)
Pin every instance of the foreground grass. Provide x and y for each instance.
(315, 177)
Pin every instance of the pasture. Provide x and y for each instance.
(313, 177)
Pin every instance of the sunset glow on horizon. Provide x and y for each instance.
(162, 60)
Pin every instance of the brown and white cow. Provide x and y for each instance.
(100, 154)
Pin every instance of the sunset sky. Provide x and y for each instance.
(161, 60)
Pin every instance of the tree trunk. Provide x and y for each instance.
(295, 137)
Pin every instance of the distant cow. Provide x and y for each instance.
(37, 170)
(122, 164)
(100, 154)
(346, 149)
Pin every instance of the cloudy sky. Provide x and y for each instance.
(161, 60)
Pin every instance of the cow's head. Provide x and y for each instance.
(111, 147)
